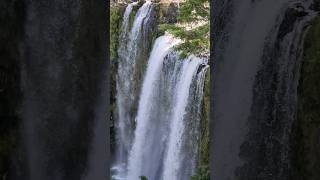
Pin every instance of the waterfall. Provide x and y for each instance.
(172, 161)
(158, 113)
(146, 107)
(160, 136)
(257, 45)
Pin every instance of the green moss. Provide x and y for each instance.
(196, 40)
(116, 14)
(115, 23)
(143, 178)
(308, 115)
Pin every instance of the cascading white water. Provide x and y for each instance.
(125, 21)
(148, 93)
(173, 159)
(121, 87)
(157, 149)
(141, 17)
(127, 51)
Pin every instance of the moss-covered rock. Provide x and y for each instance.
(202, 173)
(116, 12)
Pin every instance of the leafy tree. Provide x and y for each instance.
(193, 27)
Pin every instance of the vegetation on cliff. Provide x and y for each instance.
(116, 12)
(115, 20)
(193, 27)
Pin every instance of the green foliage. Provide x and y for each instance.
(195, 40)
(115, 23)
(133, 15)
(202, 173)
(115, 20)
(194, 10)
(143, 178)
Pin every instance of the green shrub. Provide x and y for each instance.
(202, 173)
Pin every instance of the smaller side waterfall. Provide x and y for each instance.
(126, 84)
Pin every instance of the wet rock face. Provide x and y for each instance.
(54, 54)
